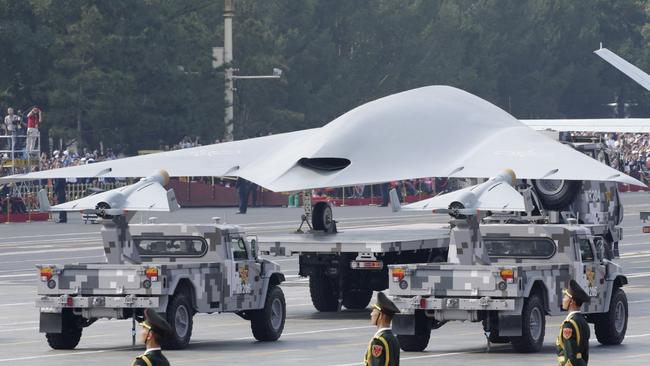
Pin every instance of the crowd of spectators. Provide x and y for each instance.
(633, 151)
(185, 143)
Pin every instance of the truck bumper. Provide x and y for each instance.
(54, 304)
(408, 305)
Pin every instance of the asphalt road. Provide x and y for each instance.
(310, 337)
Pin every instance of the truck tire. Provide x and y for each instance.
(414, 343)
(321, 216)
(323, 292)
(179, 316)
(70, 333)
(533, 324)
(611, 326)
(556, 194)
(267, 324)
(357, 298)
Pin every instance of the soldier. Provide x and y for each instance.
(383, 349)
(242, 186)
(573, 341)
(154, 330)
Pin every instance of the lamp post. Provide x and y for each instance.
(223, 55)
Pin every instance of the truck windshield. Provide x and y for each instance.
(239, 249)
(586, 254)
(520, 247)
(171, 246)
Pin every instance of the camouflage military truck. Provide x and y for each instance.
(510, 280)
(177, 269)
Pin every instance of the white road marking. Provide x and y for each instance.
(636, 254)
(56, 259)
(17, 304)
(18, 275)
(298, 305)
(638, 301)
(51, 235)
(637, 335)
(19, 323)
(625, 236)
(415, 357)
(17, 329)
(77, 353)
(294, 259)
(635, 244)
(52, 250)
(53, 241)
(637, 275)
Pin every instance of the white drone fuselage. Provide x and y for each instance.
(148, 194)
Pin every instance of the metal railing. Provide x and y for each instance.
(14, 152)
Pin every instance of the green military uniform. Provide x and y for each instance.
(158, 325)
(573, 341)
(383, 349)
(153, 357)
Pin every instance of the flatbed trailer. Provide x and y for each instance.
(345, 267)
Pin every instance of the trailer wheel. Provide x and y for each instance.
(321, 216)
(357, 298)
(179, 316)
(70, 333)
(267, 324)
(419, 341)
(323, 292)
(414, 343)
(611, 326)
(556, 194)
(533, 323)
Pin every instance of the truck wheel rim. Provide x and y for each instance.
(276, 314)
(181, 321)
(619, 317)
(550, 187)
(327, 218)
(535, 324)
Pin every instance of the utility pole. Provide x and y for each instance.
(223, 55)
(228, 14)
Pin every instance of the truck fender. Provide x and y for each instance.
(611, 285)
(173, 285)
(275, 279)
(538, 284)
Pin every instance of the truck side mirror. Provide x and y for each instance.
(599, 243)
(253, 243)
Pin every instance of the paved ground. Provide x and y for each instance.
(310, 338)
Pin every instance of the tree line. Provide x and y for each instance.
(137, 74)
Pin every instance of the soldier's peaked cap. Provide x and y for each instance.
(385, 305)
(155, 322)
(577, 293)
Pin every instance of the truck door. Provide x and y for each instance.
(244, 273)
(592, 276)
